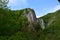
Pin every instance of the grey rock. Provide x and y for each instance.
(30, 14)
(42, 24)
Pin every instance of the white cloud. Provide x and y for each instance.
(17, 3)
(57, 7)
(54, 9)
(38, 16)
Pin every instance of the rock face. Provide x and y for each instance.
(51, 21)
(42, 24)
(30, 14)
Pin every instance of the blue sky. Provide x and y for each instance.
(41, 7)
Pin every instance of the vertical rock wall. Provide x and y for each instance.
(42, 24)
(30, 14)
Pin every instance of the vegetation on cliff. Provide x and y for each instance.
(15, 26)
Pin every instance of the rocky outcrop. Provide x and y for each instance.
(42, 24)
(30, 14)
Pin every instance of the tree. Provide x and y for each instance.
(59, 1)
(3, 3)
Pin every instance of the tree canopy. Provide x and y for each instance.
(3, 3)
(59, 1)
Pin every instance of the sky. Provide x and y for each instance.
(41, 7)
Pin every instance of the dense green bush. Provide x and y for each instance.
(15, 26)
(11, 21)
(51, 32)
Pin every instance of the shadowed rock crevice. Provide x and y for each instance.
(42, 23)
(30, 14)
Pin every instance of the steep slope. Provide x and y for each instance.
(11, 21)
(50, 17)
(52, 26)
(23, 25)
(18, 24)
(30, 15)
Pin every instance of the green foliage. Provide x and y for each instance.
(51, 32)
(58, 0)
(11, 22)
(3, 3)
(27, 10)
(15, 26)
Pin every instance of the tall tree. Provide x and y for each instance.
(59, 1)
(3, 3)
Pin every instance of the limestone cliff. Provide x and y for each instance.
(42, 23)
(30, 14)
